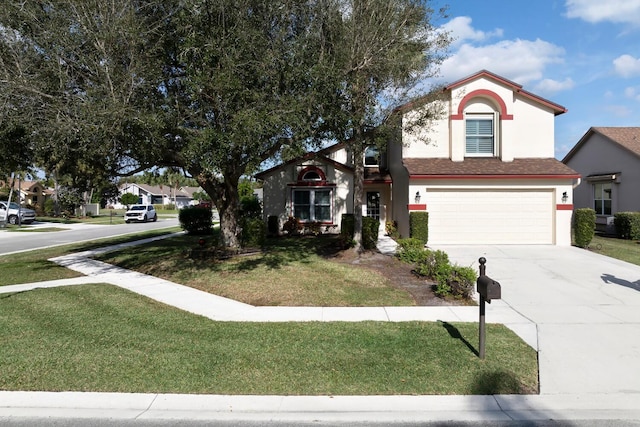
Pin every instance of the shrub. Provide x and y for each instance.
(584, 226)
(627, 225)
(462, 281)
(272, 225)
(254, 232)
(411, 250)
(346, 227)
(370, 227)
(292, 227)
(49, 207)
(129, 199)
(419, 226)
(436, 266)
(195, 220)
(370, 230)
(250, 207)
(391, 228)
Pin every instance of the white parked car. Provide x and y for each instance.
(27, 216)
(141, 213)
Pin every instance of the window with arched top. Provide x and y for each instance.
(481, 124)
(371, 156)
(311, 176)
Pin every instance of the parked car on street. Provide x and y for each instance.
(141, 213)
(25, 215)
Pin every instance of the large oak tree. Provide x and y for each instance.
(211, 87)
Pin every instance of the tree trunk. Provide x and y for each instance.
(358, 189)
(225, 196)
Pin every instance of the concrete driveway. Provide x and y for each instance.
(586, 308)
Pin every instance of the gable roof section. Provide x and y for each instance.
(308, 156)
(150, 189)
(515, 87)
(626, 137)
(488, 168)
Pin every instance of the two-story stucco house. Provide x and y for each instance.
(485, 172)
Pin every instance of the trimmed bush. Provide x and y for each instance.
(272, 225)
(370, 231)
(584, 223)
(462, 281)
(254, 232)
(411, 251)
(195, 220)
(627, 225)
(370, 227)
(419, 226)
(346, 227)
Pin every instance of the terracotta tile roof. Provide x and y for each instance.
(488, 167)
(628, 137)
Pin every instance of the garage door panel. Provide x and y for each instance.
(490, 217)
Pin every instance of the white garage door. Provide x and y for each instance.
(490, 217)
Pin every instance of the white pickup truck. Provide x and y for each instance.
(27, 216)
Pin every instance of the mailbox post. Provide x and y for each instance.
(488, 289)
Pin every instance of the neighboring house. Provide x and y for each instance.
(608, 158)
(32, 193)
(485, 172)
(157, 195)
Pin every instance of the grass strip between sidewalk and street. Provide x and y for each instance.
(33, 266)
(103, 338)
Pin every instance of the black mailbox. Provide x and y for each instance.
(488, 288)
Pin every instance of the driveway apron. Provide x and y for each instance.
(586, 308)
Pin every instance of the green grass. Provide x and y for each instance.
(102, 338)
(289, 272)
(32, 266)
(625, 250)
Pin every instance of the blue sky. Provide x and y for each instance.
(581, 54)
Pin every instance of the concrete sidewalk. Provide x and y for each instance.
(581, 312)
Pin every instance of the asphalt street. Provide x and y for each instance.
(16, 241)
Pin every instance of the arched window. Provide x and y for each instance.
(481, 120)
(311, 176)
(371, 156)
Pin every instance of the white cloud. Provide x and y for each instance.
(461, 31)
(632, 93)
(619, 110)
(617, 11)
(522, 61)
(553, 86)
(627, 65)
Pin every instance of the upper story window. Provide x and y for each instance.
(480, 135)
(372, 156)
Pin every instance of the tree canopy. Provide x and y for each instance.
(212, 88)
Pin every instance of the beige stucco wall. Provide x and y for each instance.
(277, 191)
(529, 135)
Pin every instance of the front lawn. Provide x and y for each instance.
(625, 250)
(102, 338)
(289, 272)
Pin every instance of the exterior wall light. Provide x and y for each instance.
(565, 197)
(417, 198)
